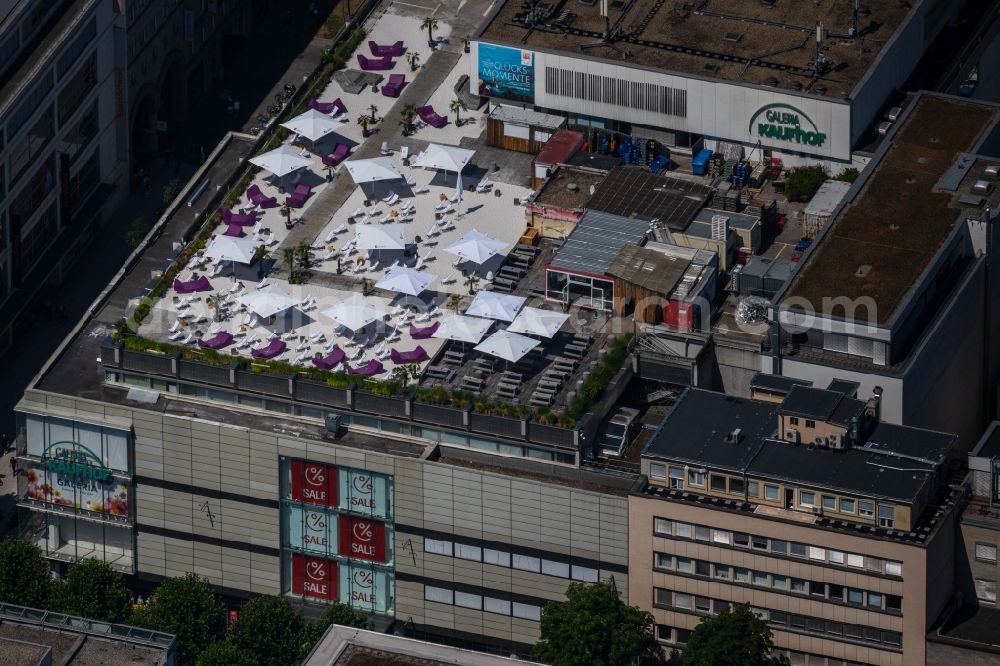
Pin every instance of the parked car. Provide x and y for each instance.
(619, 431)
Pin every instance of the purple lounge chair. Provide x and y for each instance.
(391, 50)
(192, 286)
(429, 116)
(370, 368)
(375, 64)
(424, 333)
(339, 154)
(242, 219)
(331, 360)
(234, 230)
(413, 356)
(394, 86)
(329, 108)
(259, 198)
(273, 348)
(220, 340)
(297, 199)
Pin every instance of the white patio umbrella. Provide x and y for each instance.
(312, 124)
(476, 247)
(493, 305)
(508, 346)
(355, 312)
(380, 237)
(269, 300)
(228, 248)
(446, 158)
(405, 281)
(281, 161)
(536, 321)
(372, 170)
(463, 329)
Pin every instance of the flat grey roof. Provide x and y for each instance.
(743, 41)
(596, 240)
(827, 198)
(515, 115)
(694, 432)
(736, 220)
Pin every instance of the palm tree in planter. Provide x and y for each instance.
(363, 121)
(367, 284)
(288, 256)
(374, 117)
(431, 24)
(472, 280)
(286, 210)
(414, 60)
(408, 115)
(338, 257)
(261, 257)
(214, 303)
(456, 107)
(454, 301)
(305, 255)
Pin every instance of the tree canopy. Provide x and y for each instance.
(225, 654)
(269, 629)
(734, 637)
(801, 183)
(94, 590)
(188, 608)
(25, 579)
(337, 613)
(594, 627)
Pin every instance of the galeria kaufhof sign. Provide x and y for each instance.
(784, 122)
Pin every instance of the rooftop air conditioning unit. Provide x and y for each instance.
(735, 436)
(792, 435)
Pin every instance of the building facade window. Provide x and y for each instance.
(657, 471)
(866, 508)
(886, 515)
(677, 477)
(771, 492)
(986, 552)
(696, 478)
(807, 498)
(846, 505)
(986, 590)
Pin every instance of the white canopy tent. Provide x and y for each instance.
(405, 281)
(463, 329)
(509, 346)
(446, 158)
(312, 124)
(268, 300)
(380, 237)
(372, 170)
(228, 248)
(476, 247)
(492, 305)
(355, 312)
(281, 161)
(536, 321)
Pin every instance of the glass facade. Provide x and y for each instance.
(76, 489)
(337, 535)
(579, 290)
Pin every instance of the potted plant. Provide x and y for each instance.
(431, 24)
(366, 286)
(286, 210)
(363, 121)
(408, 115)
(472, 280)
(374, 117)
(414, 60)
(457, 106)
